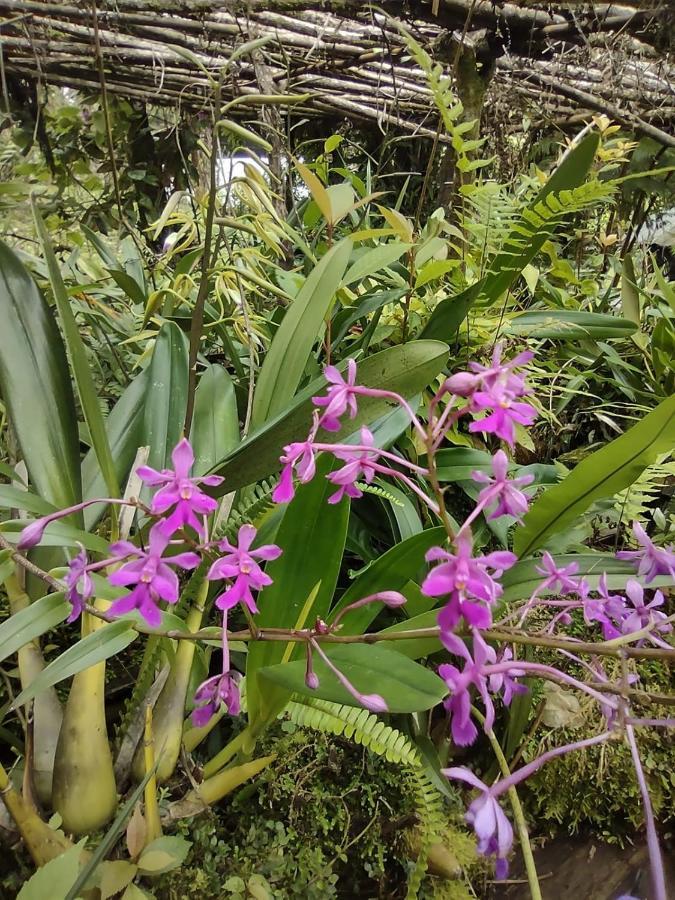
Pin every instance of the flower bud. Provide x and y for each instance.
(312, 680)
(462, 384)
(32, 534)
(374, 703)
(391, 598)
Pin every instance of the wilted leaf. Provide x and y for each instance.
(561, 708)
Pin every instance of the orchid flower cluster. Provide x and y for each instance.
(466, 584)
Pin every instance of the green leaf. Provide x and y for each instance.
(31, 622)
(36, 386)
(78, 359)
(390, 572)
(287, 356)
(130, 286)
(167, 395)
(125, 429)
(405, 685)
(55, 878)
(406, 369)
(602, 474)
(163, 854)
(94, 648)
(630, 295)
(15, 498)
(56, 534)
(116, 874)
(312, 536)
(215, 425)
(375, 260)
(568, 325)
(507, 265)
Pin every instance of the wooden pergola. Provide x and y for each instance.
(350, 58)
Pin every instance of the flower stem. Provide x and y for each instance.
(518, 814)
(656, 863)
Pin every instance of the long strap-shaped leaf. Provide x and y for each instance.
(288, 354)
(167, 400)
(36, 387)
(78, 360)
(604, 473)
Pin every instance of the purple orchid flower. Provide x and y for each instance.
(359, 464)
(502, 490)
(644, 615)
(340, 398)
(495, 389)
(298, 457)
(211, 693)
(651, 561)
(505, 681)
(240, 567)
(488, 820)
(607, 609)
(557, 580)
(458, 703)
(79, 583)
(180, 490)
(466, 580)
(153, 577)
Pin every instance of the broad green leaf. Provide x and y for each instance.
(15, 498)
(125, 428)
(406, 369)
(291, 347)
(369, 303)
(568, 325)
(101, 247)
(401, 226)
(116, 874)
(84, 381)
(94, 648)
(375, 260)
(390, 572)
(57, 534)
(164, 854)
(36, 386)
(507, 265)
(31, 622)
(312, 536)
(602, 474)
(215, 425)
(55, 878)
(316, 189)
(341, 198)
(406, 686)
(166, 401)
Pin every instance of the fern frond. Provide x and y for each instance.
(378, 492)
(251, 507)
(358, 725)
(633, 503)
(433, 825)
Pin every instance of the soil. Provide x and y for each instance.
(576, 869)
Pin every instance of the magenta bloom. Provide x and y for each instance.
(79, 583)
(502, 491)
(466, 580)
(153, 577)
(298, 457)
(359, 464)
(643, 615)
(180, 490)
(607, 609)
(651, 561)
(505, 681)
(341, 397)
(497, 390)
(557, 580)
(211, 693)
(458, 703)
(488, 820)
(239, 566)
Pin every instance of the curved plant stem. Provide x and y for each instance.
(656, 862)
(518, 815)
